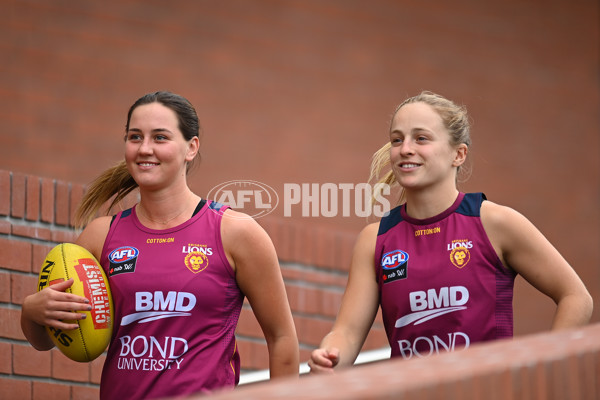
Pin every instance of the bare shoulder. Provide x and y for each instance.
(94, 234)
(238, 225)
(497, 218)
(512, 235)
(364, 249)
(368, 236)
(240, 233)
(371, 229)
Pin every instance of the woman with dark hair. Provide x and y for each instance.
(190, 263)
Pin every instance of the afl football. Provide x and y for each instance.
(90, 339)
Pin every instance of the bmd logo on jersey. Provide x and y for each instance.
(394, 265)
(122, 260)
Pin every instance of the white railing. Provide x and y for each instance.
(363, 358)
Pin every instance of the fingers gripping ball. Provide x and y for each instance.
(90, 339)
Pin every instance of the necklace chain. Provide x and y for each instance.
(146, 216)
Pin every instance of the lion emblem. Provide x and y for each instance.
(196, 261)
(460, 256)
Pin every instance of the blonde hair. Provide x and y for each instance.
(116, 182)
(455, 120)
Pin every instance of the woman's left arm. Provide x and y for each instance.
(522, 247)
(252, 255)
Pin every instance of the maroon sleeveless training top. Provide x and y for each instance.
(177, 304)
(442, 285)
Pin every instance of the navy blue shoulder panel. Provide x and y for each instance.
(124, 214)
(215, 206)
(471, 204)
(389, 220)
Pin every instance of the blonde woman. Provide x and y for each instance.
(442, 264)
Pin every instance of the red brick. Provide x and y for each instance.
(5, 227)
(34, 232)
(244, 349)
(75, 198)
(484, 370)
(47, 200)
(66, 369)
(32, 210)
(304, 299)
(330, 303)
(11, 324)
(17, 199)
(22, 286)
(248, 325)
(304, 355)
(301, 245)
(324, 238)
(31, 362)
(590, 369)
(15, 389)
(321, 277)
(311, 331)
(376, 339)
(15, 255)
(61, 236)
(39, 253)
(6, 366)
(85, 393)
(51, 391)
(4, 192)
(344, 246)
(5, 287)
(62, 203)
(96, 368)
(254, 355)
(268, 223)
(282, 237)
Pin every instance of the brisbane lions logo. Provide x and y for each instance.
(460, 256)
(196, 261)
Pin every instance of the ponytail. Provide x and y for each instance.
(379, 163)
(114, 181)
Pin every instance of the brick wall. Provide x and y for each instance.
(35, 215)
(544, 366)
(298, 91)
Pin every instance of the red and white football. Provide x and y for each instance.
(90, 339)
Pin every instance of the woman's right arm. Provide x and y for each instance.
(360, 302)
(52, 306)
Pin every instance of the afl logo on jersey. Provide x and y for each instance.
(394, 265)
(122, 259)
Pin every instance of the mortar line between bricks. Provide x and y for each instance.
(10, 306)
(14, 341)
(317, 317)
(316, 285)
(250, 339)
(37, 224)
(312, 268)
(48, 380)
